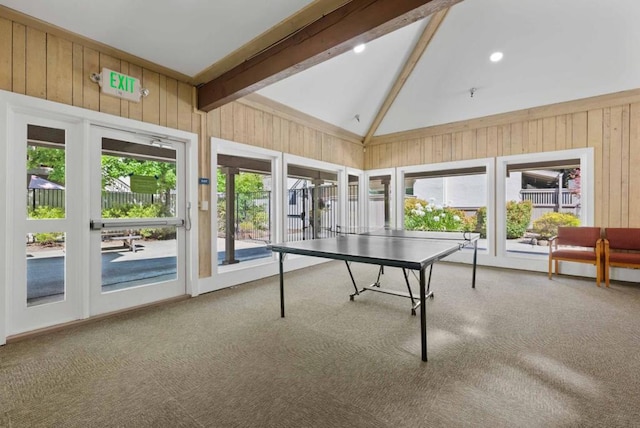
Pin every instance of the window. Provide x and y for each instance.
(449, 196)
(538, 193)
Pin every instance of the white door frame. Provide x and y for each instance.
(11, 104)
(99, 301)
(20, 316)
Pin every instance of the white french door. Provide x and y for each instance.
(138, 218)
(47, 257)
(97, 220)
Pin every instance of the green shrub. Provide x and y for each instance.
(547, 225)
(422, 215)
(145, 211)
(44, 212)
(48, 239)
(133, 211)
(47, 212)
(142, 211)
(481, 222)
(518, 218)
(246, 226)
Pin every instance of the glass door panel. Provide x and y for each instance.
(46, 225)
(138, 213)
(380, 201)
(135, 257)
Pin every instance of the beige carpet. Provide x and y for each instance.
(518, 351)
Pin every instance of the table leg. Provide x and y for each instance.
(475, 259)
(423, 315)
(281, 286)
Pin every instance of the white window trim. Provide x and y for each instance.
(227, 276)
(537, 263)
(339, 170)
(484, 257)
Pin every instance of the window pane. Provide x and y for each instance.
(447, 202)
(45, 268)
(353, 210)
(45, 172)
(135, 257)
(539, 199)
(380, 201)
(312, 203)
(139, 181)
(244, 216)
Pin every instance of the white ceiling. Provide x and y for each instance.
(183, 35)
(554, 51)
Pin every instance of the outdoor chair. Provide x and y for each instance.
(576, 244)
(621, 249)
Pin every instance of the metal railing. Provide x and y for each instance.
(549, 197)
(300, 224)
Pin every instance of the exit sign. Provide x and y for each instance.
(120, 85)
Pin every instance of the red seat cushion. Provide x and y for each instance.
(629, 258)
(588, 255)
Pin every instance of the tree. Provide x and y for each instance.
(38, 157)
(114, 167)
(245, 182)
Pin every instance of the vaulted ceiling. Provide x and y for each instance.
(554, 51)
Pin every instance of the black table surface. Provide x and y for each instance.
(390, 248)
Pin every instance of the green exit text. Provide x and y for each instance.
(122, 82)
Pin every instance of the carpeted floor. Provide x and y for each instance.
(518, 351)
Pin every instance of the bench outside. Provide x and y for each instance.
(127, 240)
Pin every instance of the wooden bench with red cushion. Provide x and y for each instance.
(621, 249)
(576, 244)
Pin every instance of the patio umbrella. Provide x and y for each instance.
(41, 183)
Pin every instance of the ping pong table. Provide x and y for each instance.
(408, 250)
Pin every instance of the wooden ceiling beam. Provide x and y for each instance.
(419, 48)
(302, 18)
(358, 21)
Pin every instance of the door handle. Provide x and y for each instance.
(100, 224)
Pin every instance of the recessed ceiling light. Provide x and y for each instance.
(360, 48)
(496, 56)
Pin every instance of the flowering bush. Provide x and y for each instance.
(547, 225)
(422, 215)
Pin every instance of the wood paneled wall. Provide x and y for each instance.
(610, 124)
(44, 65)
(49, 66)
(261, 126)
